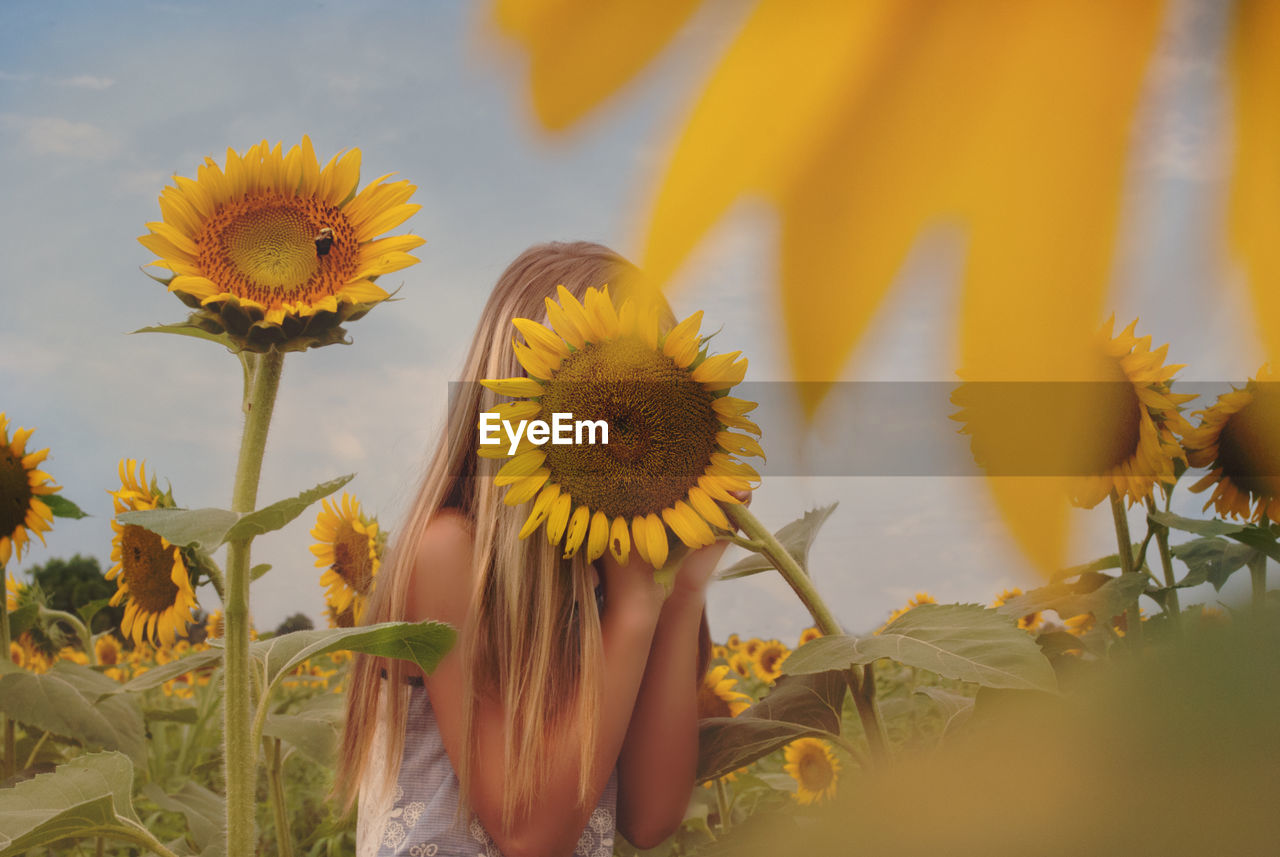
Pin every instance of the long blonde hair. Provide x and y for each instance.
(534, 644)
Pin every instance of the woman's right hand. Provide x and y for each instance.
(631, 585)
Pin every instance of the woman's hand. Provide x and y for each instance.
(695, 570)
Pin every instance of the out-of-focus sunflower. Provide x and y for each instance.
(672, 429)
(22, 484)
(1029, 622)
(76, 656)
(110, 654)
(215, 625)
(348, 546)
(718, 695)
(808, 634)
(742, 664)
(277, 252)
(17, 654)
(768, 660)
(1112, 432)
(733, 641)
(814, 767)
(340, 619)
(151, 574)
(720, 652)
(12, 593)
(1236, 440)
(751, 646)
(915, 601)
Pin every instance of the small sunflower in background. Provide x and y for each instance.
(17, 654)
(742, 664)
(733, 641)
(1029, 622)
(768, 660)
(751, 646)
(915, 601)
(277, 252)
(13, 593)
(814, 767)
(349, 547)
(151, 574)
(673, 430)
(808, 634)
(110, 654)
(1236, 439)
(215, 626)
(718, 695)
(1114, 433)
(22, 484)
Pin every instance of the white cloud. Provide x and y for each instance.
(43, 135)
(86, 81)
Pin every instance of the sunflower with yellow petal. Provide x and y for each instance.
(277, 252)
(742, 664)
(915, 601)
(814, 767)
(1029, 622)
(349, 547)
(151, 574)
(810, 633)
(22, 484)
(673, 430)
(1236, 440)
(768, 660)
(718, 695)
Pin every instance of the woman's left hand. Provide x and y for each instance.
(697, 567)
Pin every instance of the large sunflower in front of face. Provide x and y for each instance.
(673, 431)
(1236, 439)
(348, 546)
(150, 573)
(276, 251)
(22, 484)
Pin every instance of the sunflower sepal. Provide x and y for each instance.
(190, 328)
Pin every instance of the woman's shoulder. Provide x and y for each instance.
(442, 569)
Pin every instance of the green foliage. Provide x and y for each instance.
(1105, 602)
(797, 537)
(61, 507)
(76, 586)
(424, 643)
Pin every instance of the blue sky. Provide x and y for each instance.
(100, 104)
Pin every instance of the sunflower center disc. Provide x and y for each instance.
(815, 771)
(147, 568)
(662, 428)
(15, 492)
(1247, 451)
(264, 247)
(351, 559)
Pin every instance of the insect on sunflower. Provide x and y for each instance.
(277, 252)
(670, 437)
(1236, 441)
(150, 573)
(348, 546)
(22, 484)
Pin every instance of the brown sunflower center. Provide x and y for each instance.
(1247, 451)
(711, 704)
(351, 560)
(15, 492)
(278, 248)
(661, 428)
(815, 770)
(769, 659)
(108, 652)
(147, 568)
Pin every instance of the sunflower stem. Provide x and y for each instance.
(237, 703)
(862, 687)
(1124, 545)
(1172, 607)
(1258, 576)
(722, 804)
(275, 780)
(10, 744)
(35, 751)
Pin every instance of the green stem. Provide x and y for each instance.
(237, 703)
(31, 759)
(144, 837)
(275, 782)
(10, 744)
(1124, 544)
(81, 631)
(1258, 575)
(862, 687)
(722, 803)
(1172, 608)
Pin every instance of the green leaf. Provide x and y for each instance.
(157, 676)
(202, 529)
(1105, 602)
(279, 514)
(62, 507)
(954, 707)
(22, 619)
(186, 328)
(88, 796)
(424, 643)
(1211, 560)
(89, 610)
(1193, 525)
(186, 714)
(74, 702)
(312, 729)
(205, 811)
(258, 570)
(799, 706)
(1261, 540)
(1105, 563)
(961, 641)
(797, 537)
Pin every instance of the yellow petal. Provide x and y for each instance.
(657, 546)
(519, 467)
(619, 541)
(563, 325)
(525, 388)
(598, 538)
(558, 518)
(577, 530)
(522, 492)
(541, 508)
(540, 338)
(707, 508)
(640, 536)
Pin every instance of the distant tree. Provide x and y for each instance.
(296, 622)
(69, 584)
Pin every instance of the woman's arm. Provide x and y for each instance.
(659, 759)
(442, 591)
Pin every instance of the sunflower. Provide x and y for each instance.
(718, 695)
(751, 646)
(277, 252)
(808, 634)
(814, 767)
(1236, 439)
(915, 601)
(733, 641)
(17, 654)
(768, 660)
(1029, 622)
(668, 455)
(214, 625)
(22, 484)
(151, 575)
(719, 652)
(742, 664)
(13, 592)
(348, 547)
